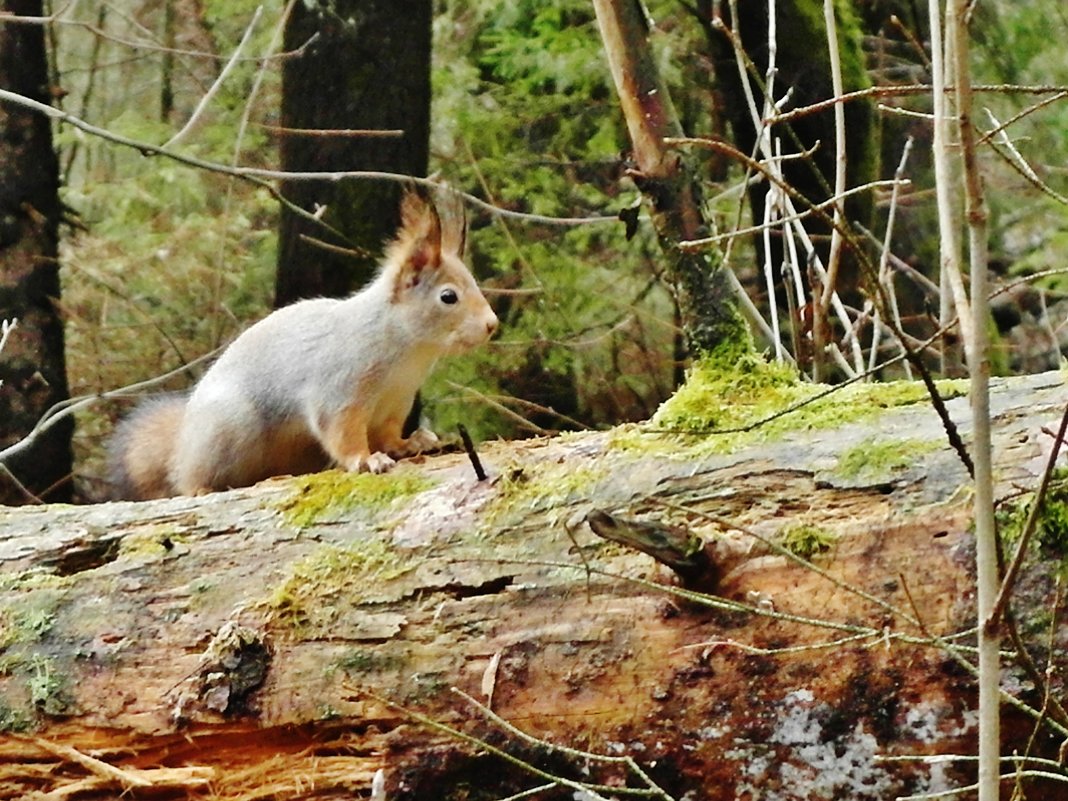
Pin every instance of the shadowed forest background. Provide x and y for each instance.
(162, 263)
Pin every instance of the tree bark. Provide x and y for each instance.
(32, 366)
(368, 68)
(277, 641)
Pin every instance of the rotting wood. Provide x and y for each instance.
(121, 625)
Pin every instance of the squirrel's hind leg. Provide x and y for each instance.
(346, 440)
(222, 445)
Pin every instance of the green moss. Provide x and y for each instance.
(1051, 526)
(721, 393)
(366, 660)
(424, 686)
(743, 403)
(14, 720)
(327, 495)
(806, 540)
(874, 460)
(35, 579)
(308, 598)
(150, 545)
(26, 619)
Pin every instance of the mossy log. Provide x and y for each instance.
(303, 638)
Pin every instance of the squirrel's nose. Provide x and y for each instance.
(491, 325)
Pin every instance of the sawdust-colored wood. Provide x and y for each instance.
(213, 648)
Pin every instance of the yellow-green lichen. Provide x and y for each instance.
(327, 495)
(309, 597)
(27, 618)
(47, 686)
(148, 546)
(806, 540)
(365, 660)
(522, 490)
(34, 579)
(13, 719)
(875, 460)
(753, 400)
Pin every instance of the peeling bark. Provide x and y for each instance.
(267, 642)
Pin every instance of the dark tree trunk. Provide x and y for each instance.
(369, 68)
(803, 65)
(32, 366)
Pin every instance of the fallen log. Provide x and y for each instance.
(425, 634)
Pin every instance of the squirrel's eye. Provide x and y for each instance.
(449, 296)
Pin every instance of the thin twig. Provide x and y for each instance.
(1000, 127)
(822, 304)
(1009, 582)
(779, 549)
(6, 329)
(217, 84)
(57, 19)
(592, 790)
(563, 749)
(1019, 163)
(261, 177)
(67, 407)
(340, 133)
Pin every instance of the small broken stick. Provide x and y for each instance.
(469, 446)
(672, 546)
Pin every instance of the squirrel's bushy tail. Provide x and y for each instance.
(139, 454)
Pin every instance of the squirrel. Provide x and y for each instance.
(320, 382)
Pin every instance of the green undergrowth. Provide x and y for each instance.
(750, 400)
(329, 495)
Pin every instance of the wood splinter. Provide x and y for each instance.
(672, 546)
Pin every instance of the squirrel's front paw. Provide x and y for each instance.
(377, 462)
(422, 439)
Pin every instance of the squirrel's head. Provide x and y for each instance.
(440, 300)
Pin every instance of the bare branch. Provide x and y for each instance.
(834, 258)
(214, 88)
(69, 406)
(57, 18)
(326, 133)
(262, 177)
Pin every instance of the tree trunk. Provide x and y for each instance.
(278, 641)
(369, 68)
(709, 312)
(32, 366)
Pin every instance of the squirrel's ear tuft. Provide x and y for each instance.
(453, 221)
(417, 246)
(414, 208)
